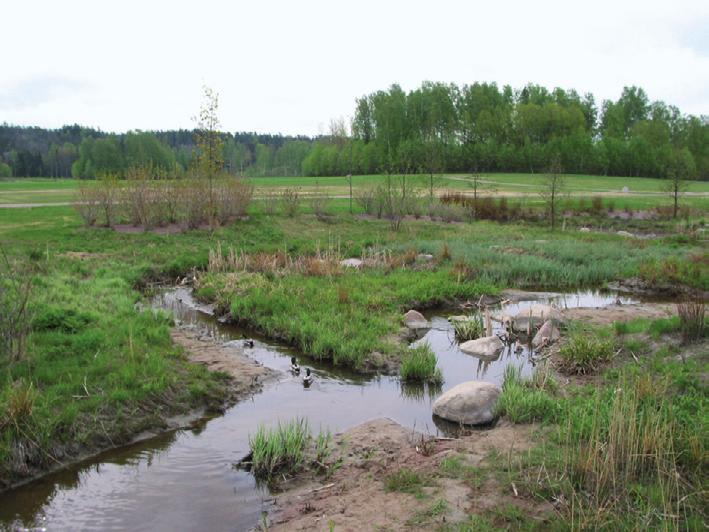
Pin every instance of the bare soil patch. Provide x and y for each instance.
(246, 374)
(612, 313)
(356, 494)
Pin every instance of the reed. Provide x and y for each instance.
(279, 450)
(418, 364)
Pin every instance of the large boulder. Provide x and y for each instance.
(415, 320)
(469, 403)
(536, 315)
(487, 347)
(547, 334)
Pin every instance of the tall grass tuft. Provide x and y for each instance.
(279, 450)
(469, 329)
(419, 365)
(582, 354)
(621, 457)
(524, 400)
(691, 319)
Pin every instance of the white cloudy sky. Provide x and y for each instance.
(291, 66)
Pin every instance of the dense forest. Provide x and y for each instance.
(435, 128)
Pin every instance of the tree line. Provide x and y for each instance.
(434, 128)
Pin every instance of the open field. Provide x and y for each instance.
(643, 193)
(98, 368)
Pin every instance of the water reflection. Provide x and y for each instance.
(185, 479)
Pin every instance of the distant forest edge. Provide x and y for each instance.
(435, 128)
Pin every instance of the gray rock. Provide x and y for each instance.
(487, 347)
(625, 234)
(585, 230)
(536, 315)
(424, 257)
(351, 263)
(415, 320)
(547, 334)
(469, 403)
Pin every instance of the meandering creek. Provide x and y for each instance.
(185, 479)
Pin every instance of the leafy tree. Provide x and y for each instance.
(5, 170)
(553, 187)
(209, 162)
(681, 169)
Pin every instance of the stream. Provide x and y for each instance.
(185, 479)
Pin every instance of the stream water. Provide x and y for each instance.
(185, 479)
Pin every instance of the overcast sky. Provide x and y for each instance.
(291, 66)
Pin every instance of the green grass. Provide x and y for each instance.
(525, 401)
(418, 364)
(406, 480)
(279, 450)
(92, 361)
(469, 329)
(644, 192)
(584, 353)
(89, 331)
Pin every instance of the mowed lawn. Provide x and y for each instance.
(643, 192)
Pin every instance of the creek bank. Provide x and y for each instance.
(156, 416)
(355, 492)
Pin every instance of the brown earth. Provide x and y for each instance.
(611, 313)
(355, 497)
(245, 373)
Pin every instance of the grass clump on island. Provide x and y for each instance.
(286, 448)
(470, 328)
(419, 364)
(281, 449)
(583, 353)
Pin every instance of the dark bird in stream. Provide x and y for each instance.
(294, 367)
(307, 378)
(248, 343)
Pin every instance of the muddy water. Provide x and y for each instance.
(185, 480)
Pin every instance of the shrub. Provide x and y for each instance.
(366, 199)
(15, 315)
(87, 202)
(107, 192)
(582, 354)
(419, 365)
(231, 197)
(691, 319)
(279, 450)
(290, 199)
(320, 204)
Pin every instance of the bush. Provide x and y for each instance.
(279, 450)
(290, 199)
(583, 354)
(15, 316)
(691, 319)
(419, 365)
(87, 202)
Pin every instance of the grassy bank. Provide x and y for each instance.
(98, 369)
(629, 448)
(95, 373)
